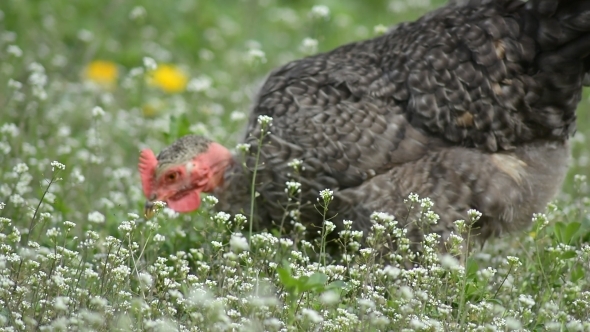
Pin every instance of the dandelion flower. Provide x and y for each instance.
(169, 78)
(104, 73)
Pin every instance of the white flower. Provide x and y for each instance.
(210, 199)
(149, 63)
(237, 116)
(449, 262)
(145, 280)
(309, 45)
(380, 29)
(320, 11)
(136, 71)
(121, 271)
(366, 303)
(273, 323)
(137, 12)
(20, 168)
(17, 199)
(366, 252)
(392, 271)
(417, 324)
(199, 297)
(240, 218)
(14, 50)
(574, 325)
(77, 175)
(414, 198)
(169, 213)
(10, 129)
(61, 303)
(69, 225)
(406, 292)
(397, 6)
(238, 242)
(311, 315)
(99, 302)
(330, 227)
(85, 35)
(382, 217)
(255, 56)
(330, 297)
(513, 260)
(5, 148)
(426, 203)
(295, 164)
(16, 85)
(201, 83)
(460, 224)
(326, 195)
(58, 165)
(474, 215)
(526, 300)
(293, 186)
(513, 323)
(97, 112)
(243, 147)
(221, 217)
(264, 120)
(540, 218)
(96, 217)
(159, 238)
(52, 232)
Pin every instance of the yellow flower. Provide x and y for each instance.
(169, 78)
(104, 73)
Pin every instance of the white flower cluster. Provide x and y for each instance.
(326, 195)
(320, 12)
(265, 120)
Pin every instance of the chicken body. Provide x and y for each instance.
(472, 106)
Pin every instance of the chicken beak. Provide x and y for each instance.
(149, 209)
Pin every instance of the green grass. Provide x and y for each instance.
(73, 254)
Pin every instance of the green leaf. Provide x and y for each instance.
(183, 126)
(577, 273)
(315, 281)
(471, 268)
(570, 231)
(569, 254)
(496, 301)
(559, 230)
(286, 278)
(301, 282)
(179, 126)
(337, 284)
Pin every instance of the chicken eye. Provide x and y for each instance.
(172, 176)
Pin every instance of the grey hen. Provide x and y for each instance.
(471, 105)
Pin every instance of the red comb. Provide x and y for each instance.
(147, 169)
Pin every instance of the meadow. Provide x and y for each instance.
(84, 85)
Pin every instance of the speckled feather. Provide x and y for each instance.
(181, 151)
(471, 105)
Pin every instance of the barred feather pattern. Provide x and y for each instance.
(471, 105)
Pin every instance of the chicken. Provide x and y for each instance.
(471, 105)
